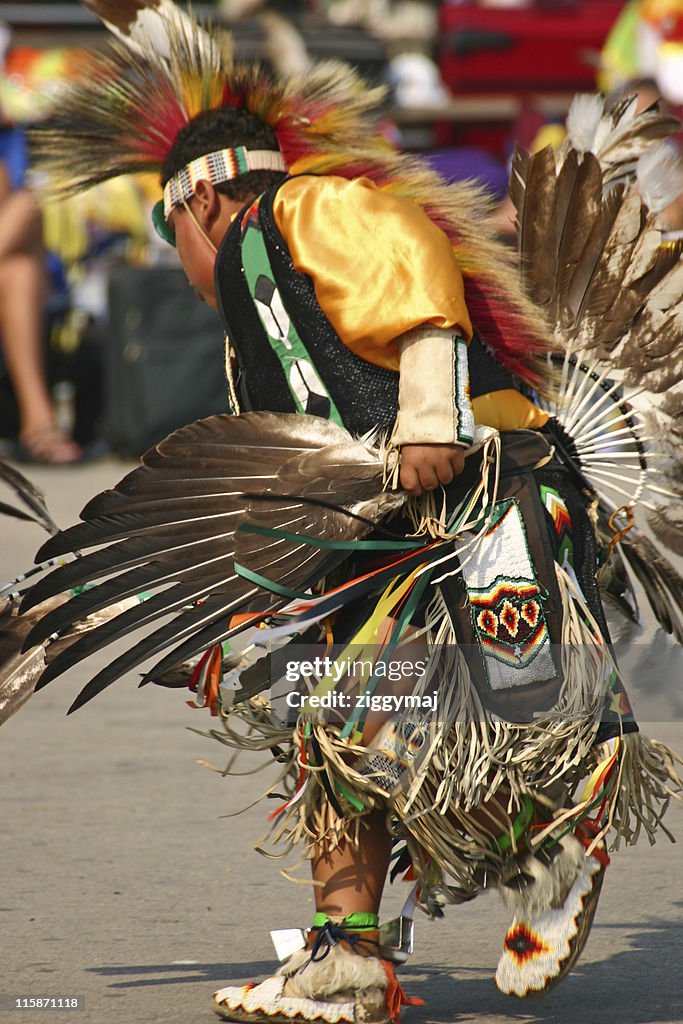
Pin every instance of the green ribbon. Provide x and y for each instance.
(275, 588)
(333, 545)
(350, 797)
(575, 822)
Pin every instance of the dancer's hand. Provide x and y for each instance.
(425, 466)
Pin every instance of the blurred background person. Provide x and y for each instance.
(24, 289)
(23, 311)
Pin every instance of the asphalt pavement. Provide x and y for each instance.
(125, 883)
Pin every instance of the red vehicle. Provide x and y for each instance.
(546, 46)
(500, 61)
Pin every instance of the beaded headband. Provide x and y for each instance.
(218, 167)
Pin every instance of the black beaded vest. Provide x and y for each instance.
(290, 357)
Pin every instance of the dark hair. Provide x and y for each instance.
(224, 128)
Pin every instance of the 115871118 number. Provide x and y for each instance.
(48, 1003)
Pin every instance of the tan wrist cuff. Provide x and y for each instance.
(433, 397)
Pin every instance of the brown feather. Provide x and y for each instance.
(647, 254)
(652, 350)
(564, 192)
(607, 281)
(20, 669)
(120, 14)
(519, 168)
(612, 339)
(537, 233)
(29, 494)
(667, 524)
(582, 210)
(591, 256)
(661, 582)
(618, 158)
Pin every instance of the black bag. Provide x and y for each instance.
(163, 360)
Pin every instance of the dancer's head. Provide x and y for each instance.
(218, 161)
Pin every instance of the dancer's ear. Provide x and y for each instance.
(207, 207)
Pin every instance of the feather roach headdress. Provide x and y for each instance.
(164, 68)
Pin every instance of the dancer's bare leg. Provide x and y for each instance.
(353, 877)
(22, 296)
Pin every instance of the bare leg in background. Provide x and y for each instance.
(23, 292)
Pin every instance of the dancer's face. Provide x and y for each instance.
(200, 227)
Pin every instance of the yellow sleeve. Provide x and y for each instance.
(379, 265)
(508, 410)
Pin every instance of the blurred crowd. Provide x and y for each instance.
(55, 255)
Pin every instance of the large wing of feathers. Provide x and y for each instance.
(593, 259)
(207, 527)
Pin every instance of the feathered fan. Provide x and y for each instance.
(205, 527)
(592, 257)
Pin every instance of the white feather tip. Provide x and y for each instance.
(583, 120)
(659, 174)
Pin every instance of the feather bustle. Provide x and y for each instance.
(618, 304)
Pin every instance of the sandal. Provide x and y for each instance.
(48, 446)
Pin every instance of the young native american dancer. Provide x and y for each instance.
(432, 459)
